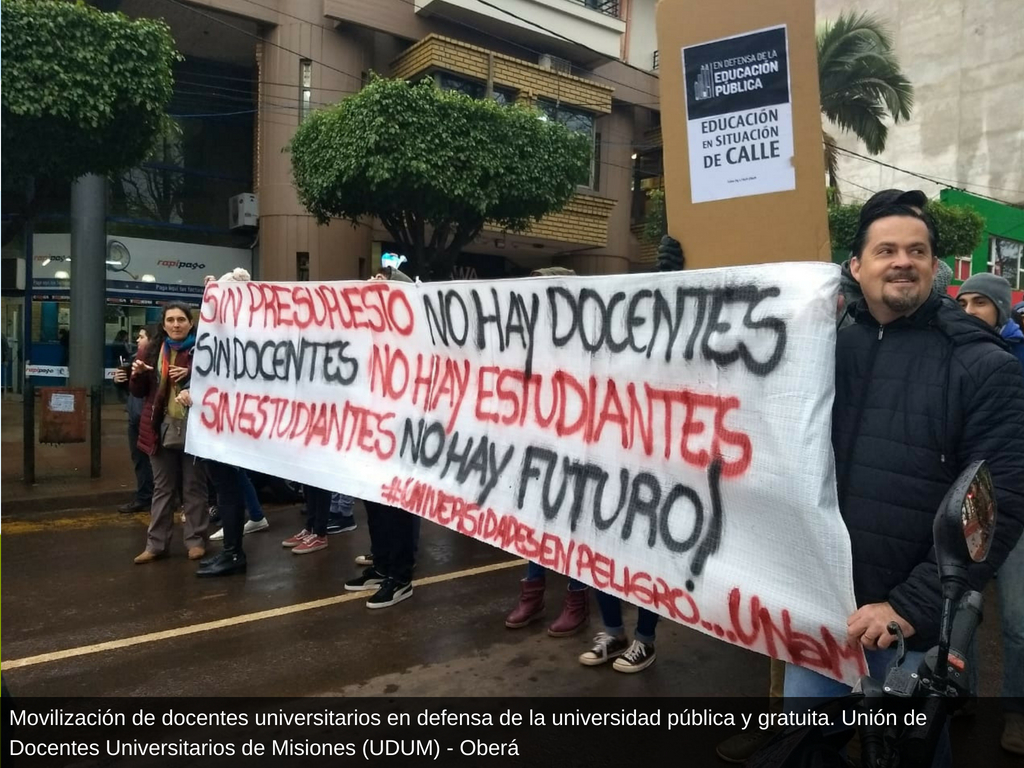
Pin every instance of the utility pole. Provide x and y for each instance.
(88, 296)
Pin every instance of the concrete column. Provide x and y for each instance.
(88, 280)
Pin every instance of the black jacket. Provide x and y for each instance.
(916, 401)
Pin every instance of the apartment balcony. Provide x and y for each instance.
(528, 79)
(585, 31)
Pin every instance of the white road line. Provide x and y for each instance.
(152, 637)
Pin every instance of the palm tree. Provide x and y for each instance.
(861, 83)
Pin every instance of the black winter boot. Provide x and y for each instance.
(227, 563)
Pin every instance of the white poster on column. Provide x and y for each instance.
(739, 116)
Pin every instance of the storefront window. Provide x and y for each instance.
(167, 223)
(1006, 258)
(963, 267)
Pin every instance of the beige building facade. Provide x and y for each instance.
(965, 59)
(562, 55)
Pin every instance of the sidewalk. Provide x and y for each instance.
(62, 471)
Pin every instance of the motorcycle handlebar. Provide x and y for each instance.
(968, 617)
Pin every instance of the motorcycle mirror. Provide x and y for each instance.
(965, 525)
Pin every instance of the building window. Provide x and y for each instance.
(302, 266)
(579, 121)
(446, 81)
(963, 267)
(1006, 258)
(305, 89)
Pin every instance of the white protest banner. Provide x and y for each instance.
(739, 116)
(663, 438)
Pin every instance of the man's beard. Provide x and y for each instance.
(907, 298)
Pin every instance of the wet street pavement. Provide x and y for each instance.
(81, 620)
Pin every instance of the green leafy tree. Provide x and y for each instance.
(84, 91)
(434, 166)
(959, 227)
(861, 83)
(656, 219)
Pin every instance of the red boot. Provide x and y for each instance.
(530, 606)
(575, 614)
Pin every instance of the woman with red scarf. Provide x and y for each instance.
(159, 374)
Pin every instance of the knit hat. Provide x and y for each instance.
(993, 287)
(943, 277)
(552, 272)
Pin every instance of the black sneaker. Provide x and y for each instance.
(370, 579)
(341, 525)
(606, 647)
(389, 593)
(639, 657)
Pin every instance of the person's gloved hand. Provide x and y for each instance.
(670, 255)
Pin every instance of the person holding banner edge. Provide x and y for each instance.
(576, 607)
(394, 534)
(921, 391)
(738, 748)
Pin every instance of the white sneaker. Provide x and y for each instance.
(251, 526)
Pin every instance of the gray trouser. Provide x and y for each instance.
(169, 467)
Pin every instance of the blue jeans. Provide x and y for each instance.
(611, 616)
(1011, 610)
(1010, 584)
(252, 500)
(804, 683)
(342, 505)
(534, 571)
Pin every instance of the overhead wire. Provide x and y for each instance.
(942, 181)
(247, 33)
(932, 179)
(360, 78)
(534, 51)
(498, 37)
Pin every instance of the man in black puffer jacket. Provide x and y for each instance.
(922, 390)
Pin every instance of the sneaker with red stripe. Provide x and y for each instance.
(311, 543)
(298, 538)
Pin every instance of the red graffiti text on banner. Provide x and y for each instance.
(346, 426)
(777, 638)
(825, 653)
(436, 380)
(681, 421)
(375, 306)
